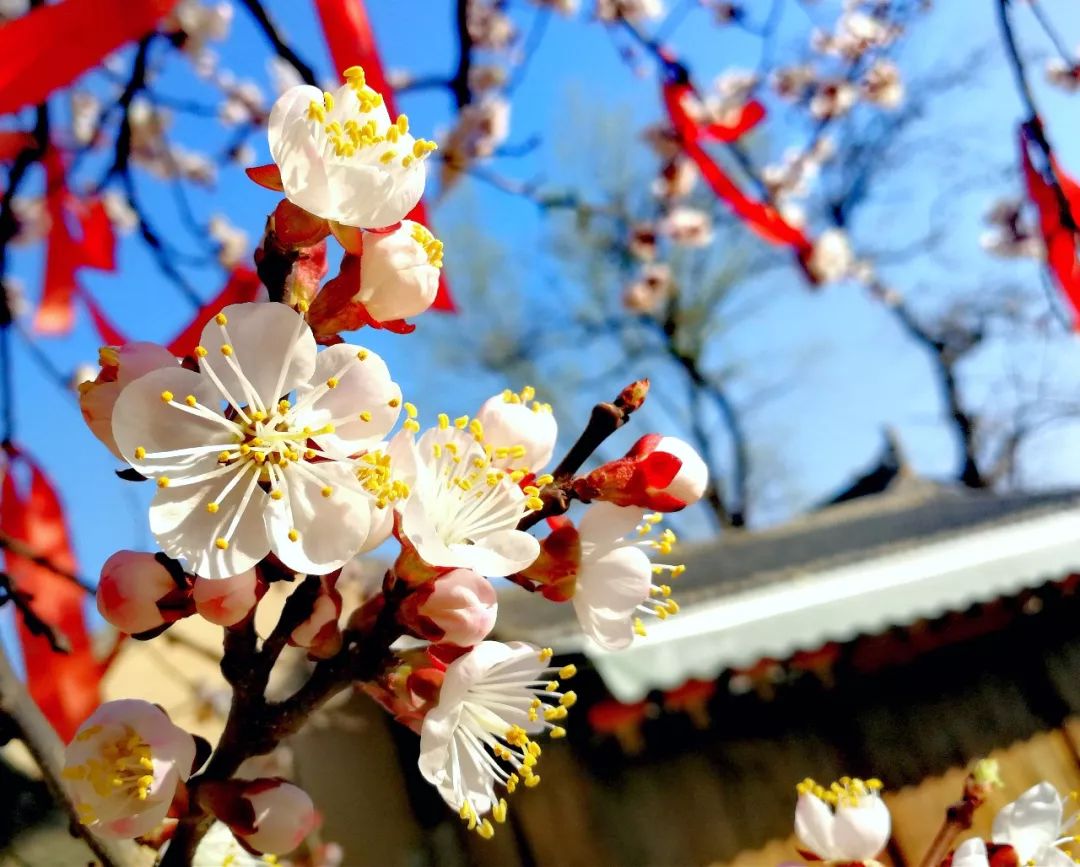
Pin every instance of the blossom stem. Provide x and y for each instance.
(958, 818)
(605, 419)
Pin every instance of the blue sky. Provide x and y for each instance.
(846, 368)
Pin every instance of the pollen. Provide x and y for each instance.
(276, 494)
(221, 319)
(294, 535)
(327, 491)
(226, 350)
(191, 400)
(221, 543)
(166, 396)
(140, 453)
(362, 355)
(332, 382)
(365, 415)
(200, 352)
(163, 482)
(394, 402)
(212, 508)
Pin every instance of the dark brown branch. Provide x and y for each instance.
(959, 816)
(21, 549)
(459, 81)
(284, 50)
(35, 625)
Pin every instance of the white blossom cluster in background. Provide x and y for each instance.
(277, 450)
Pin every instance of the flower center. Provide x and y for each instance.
(470, 496)
(123, 766)
(360, 135)
(847, 791)
(502, 748)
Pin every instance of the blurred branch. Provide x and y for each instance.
(284, 50)
(58, 642)
(459, 81)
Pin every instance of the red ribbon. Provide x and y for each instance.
(761, 218)
(49, 47)
(65, 686)
(351, 42)
(1060, 240)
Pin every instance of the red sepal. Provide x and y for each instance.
(294, 227)
(268, 176)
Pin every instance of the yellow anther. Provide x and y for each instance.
(639, 627)
(498, 811)
(362, 355)
(557, 732)
(140, 453)
(544, 480)
(486, 830)
(328, 101)
(394, 402)
(221, 543)
(163, 482)
(569, 699)
(532, 782)
(221, 319)
(402, 124)
(294, 535)
(443, 421)
(546, 653)
(534, 503)
(410, 410)
(226, 350)
(355, 76)
(276, 494)
(167, 396)
(191, 400)
(326, 491)
(365, 415)
(461, 422)
(388, 156)
(200, 352)
(212, 508)
(332, 382)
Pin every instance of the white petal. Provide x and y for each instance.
(1030, 823)
(380, 527)
(185, 530)
(363, 386)
(617, 582)
(142, 419)
(272, 345)
(374, 196)
(1053, 857)
(611, 633)
(501, 553)
(603, 524)
(143, 822)
(971, 853)
(298, 155)
(861, 831)
(331, 529)
(814, 826)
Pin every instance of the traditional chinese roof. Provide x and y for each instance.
(860, 566)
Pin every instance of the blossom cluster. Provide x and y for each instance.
(278, 450)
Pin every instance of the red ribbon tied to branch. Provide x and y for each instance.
(50, 46)
(65, 686)
(351, 42)
(761, 218)
(1058, 209)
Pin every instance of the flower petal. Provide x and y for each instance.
(185, 529)
(501, 553)
(137, 825)
(143, 420)
(861, 831)
(363, 386)
(299, 154)
(1030, 823)
(617, 582)
(814, 826)
(271, 345)
(971, 853)
(604, 524)
(329, 530)
(374, 196)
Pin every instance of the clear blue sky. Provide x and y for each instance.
(846, 367)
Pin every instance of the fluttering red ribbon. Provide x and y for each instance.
(351, 41)
(94, 246)
(1060, 239)
(65, 686)
(50, 46)
(760, 217)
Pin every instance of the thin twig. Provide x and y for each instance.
(27, 552)
(283, 49)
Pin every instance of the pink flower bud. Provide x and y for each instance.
(320, 634)
(137, 593)
(521, 430)
(659, 472)
(457, 608)
(399, 272)
(119, 366)
(227, 601)
(284, 816)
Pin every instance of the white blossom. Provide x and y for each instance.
(848, 822)
(614, 582)
(653, 286)
(832, 257)
(631, 10)
(122, 768)
(463, 508)
(342, 159)
(237, 476)
(687, 227)
(494, 700)
(521, 430)
(399, 272)
(1036, 827)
